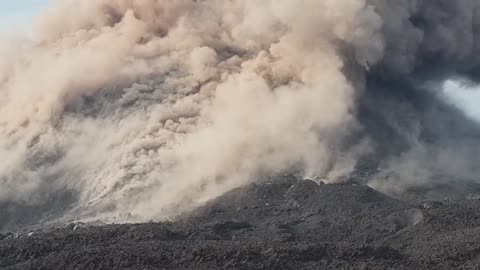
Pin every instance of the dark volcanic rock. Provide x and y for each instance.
(285, 224)
(15, 215)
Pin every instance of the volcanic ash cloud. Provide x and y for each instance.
(146, 108)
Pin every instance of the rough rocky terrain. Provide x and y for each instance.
(283, 224)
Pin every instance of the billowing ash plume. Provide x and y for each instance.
(147, 108)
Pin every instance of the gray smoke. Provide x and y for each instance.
(148, 108)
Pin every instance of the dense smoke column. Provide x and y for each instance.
(421, 139)
(144, 109)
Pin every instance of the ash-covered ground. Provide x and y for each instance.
(282, 224)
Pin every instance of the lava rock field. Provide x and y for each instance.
(283, 224)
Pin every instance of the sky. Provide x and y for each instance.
(465, 97)
(19, 12)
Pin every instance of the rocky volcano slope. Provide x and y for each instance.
(283, 224)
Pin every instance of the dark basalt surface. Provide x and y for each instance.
(283, 224)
